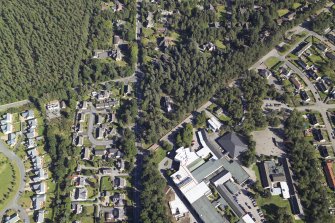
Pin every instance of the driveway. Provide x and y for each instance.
(14, 203)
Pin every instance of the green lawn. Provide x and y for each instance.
(220, 44)
(147, 32)
(224, 118)
(296, 5)
(106, 184)
(159, 155)
(271, 62)
(282, 12)
(6, 177)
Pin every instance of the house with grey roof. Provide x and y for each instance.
(29, 114)
(12, 219)
(99, 152)
(31, 143)
(32, 123)
(7, 118)
(7, 128)
(32, 152)
(11, 139)
(38, 201)
(30, 133)
(86, 154)
(119, 182)
(81, 194)
(37, 162)
(40, 175)
(233, 144)
(39, 188)
(40, 216)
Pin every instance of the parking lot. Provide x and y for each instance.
(249, 205)
(269, 142)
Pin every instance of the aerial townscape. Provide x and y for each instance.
(167, 111)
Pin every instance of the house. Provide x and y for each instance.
(29, 114)
(218, 111)
(302, 64)
(150, 22)
(84, 105)
(311, 73)
(116, 54)
(330, 56)
(81, 117)
(304, 96)
(7, 128)
(120, 182)
(118, 6)
(38, 201)
(116, 40)
(120, 165)
(62, 105)
(321, 86)
(80, 128)
(86, 154)
(296, 83)
(32, 123)
(165, 42)
(12, 219)
(127, 89)
(118, 213)
(80, 181)
(214, 124)
(322, 47)
(329, 172)
(303, 49)
(80, 141)
(32, 153)
(99, 152)
(40, 175)
(119, 154)
(109, 216)
(265, 73)
(40, 216)
(290, 16)
(39, 188)
(323, 151)
(312, 119)
(37, 162)
(102, 54)
(232, 143)
(271, 173)
(7, 118)
(30, 133)
(318, 135)
(53, 106)
(11, 139)
(31, 143)
(167, 104)
(99, 119)
(76, 208)
(208, 47)
(112, 152)
(106, 171)
(285, 71)
(80, 194)
(103, 95)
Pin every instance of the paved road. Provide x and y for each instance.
(13, 105)
(14, 203)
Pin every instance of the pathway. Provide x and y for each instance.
(13, 105)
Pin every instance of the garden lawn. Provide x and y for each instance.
(6, 177)
(159, 155)
(296, 5)
(282, 12)
(106, 184)
(271, 62)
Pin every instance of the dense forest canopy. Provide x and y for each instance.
(41, 45)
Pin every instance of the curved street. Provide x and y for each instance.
(14, 203)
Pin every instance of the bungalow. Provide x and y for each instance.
(120, 165)
(53, 106)
(29, 114)
(265, 73)
(40, 216)
(321, 87)
(119, 182)
(311, 73)
(31, 143)
(40, 175)
(101, 54)
(30, 133)
(80, 141)
(112, 152)
(118, 213)
(304, 96)
(99, 152)
(12, 219)
(116, 39)
(80, 128)
(167, 104)
(7, 128)
(296, 83)
(32, 123)
(304, 48)
(84, 105)
(32, 153)
(302, 64)
(312, 119)
(39, 188)
(318, 135)
(99, 133)
(80, 194)
(214, 124)
(86, 154)
(290, 16)
(330, 56)
(7, 118)
(285, 71)
(81, 117)
(127, 89)
(322, 47)
(38, 201)
(37, 162)
(80, 181)
(99, 119)
(328, 168)
(62, 105)
(11, 139)
(116, 54)
(323, 151)
(106, 171)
